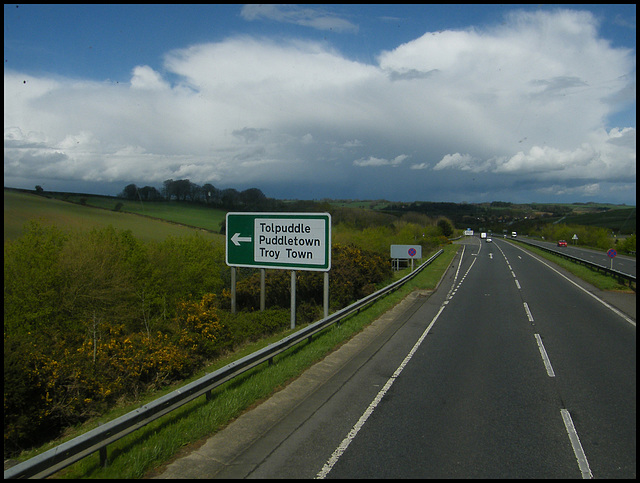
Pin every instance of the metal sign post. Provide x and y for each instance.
(326, 295)
(293, 299)
(288, 241)
(233, 290)
(263, 294)
(406, 252)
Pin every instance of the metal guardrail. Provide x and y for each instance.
(614, 273)
(97, 439)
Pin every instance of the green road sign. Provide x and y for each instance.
(292, 241)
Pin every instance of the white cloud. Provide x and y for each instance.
(354, 143)
(463, 162)
(144, 77)
(546, 159)
(295, 14)
(373, 161)
(606, 155)
(525, 100)
(588, 190)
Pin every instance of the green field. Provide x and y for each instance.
(622, 220)
(21, 207)
(185, 213)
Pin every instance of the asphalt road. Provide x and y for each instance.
(621, 263)
(508, 370)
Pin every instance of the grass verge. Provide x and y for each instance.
(140, 452)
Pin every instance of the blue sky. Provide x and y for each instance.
(431, 102)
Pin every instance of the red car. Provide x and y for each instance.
(562, 243)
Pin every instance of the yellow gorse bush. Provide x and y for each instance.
(200, 327)
(71, 384)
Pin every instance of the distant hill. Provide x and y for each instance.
(621, 220)
(498, 216)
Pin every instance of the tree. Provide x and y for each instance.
(230, 198)
(129, 192)
(445, 226)
(167, 189)
(629, 244)
(182, 189)
(96, 280)
(195, 192)
(252, 199)
(31, 279)
(149, 193)
(211, 193)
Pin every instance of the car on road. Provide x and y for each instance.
(488, 239)
(562, 243)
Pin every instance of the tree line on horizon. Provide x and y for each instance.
(186, 190)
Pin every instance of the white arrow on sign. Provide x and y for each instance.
(237, 239)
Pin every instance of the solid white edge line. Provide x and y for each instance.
(545, 357)
(583, 464)
(363, 419)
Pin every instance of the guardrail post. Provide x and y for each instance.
(102, 452)
(104, 461)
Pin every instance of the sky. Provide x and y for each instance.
(458, 103)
